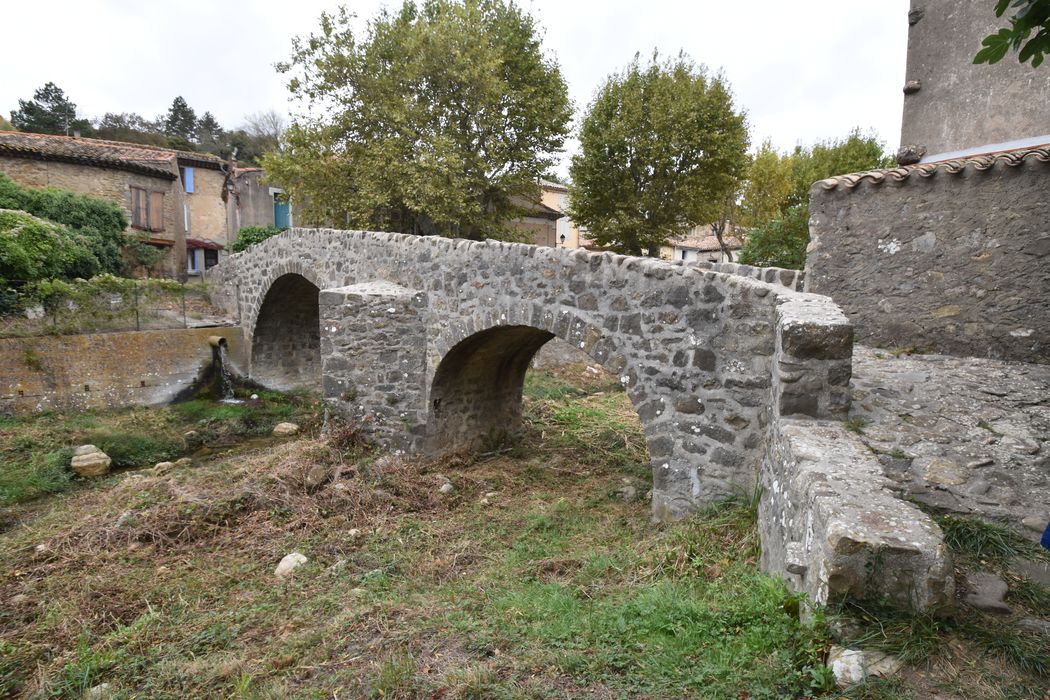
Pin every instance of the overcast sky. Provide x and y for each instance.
(803, 70)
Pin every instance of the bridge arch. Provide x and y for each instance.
(286, 334)
(705, 357)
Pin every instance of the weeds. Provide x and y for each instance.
(856, 424)
(981, 541)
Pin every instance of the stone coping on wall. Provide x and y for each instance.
(832, 527)
(790, 279)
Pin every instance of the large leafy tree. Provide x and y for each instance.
(49, 112)
(1029, 16)
(662, 149)
(776, 193)
(432, 121)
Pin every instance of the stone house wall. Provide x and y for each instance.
(950, 258)
(207, 208)
(112, 185)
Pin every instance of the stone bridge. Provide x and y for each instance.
(426, 341)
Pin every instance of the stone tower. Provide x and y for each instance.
(953, 107)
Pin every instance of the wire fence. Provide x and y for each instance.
(103, 304)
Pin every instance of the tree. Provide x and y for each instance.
(129, 127)
(49, 112)
(181, 121)
(266, 128)
(5, 125)
(1030, 16)
(776, 194)
(440, 115)
(779, 242)
(769, 185)
(661, 150)
(210, 134)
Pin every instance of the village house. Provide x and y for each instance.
(701, 245)
(545, 221)
(254, 203)
(176, 200)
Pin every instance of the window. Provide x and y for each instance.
(192, 263)
(147, 209)
(683, 255)
(187, 179)
(186, 218)
(211, 258)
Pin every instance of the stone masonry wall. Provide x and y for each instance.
(105, 370)
(694, 349)
(831, 526)
(951, 259)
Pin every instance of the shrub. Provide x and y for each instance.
(33, 249)
(250, 235)
(779, 243)
(100, 223)
(136, 449)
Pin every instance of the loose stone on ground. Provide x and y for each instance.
(89, 461)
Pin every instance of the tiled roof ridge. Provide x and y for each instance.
(123, 145)
(982, 162)
(14, 144)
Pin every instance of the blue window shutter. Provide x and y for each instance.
(187, 179)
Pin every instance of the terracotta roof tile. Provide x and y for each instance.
(985, 161)
(132, 157)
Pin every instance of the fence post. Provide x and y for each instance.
(135, 286)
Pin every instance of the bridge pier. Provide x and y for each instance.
(373, 360)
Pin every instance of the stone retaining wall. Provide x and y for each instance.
(951, 258)
(105, 370)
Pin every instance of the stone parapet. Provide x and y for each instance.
(831, 526)
(790, 279)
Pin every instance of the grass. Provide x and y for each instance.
(162, 584)
(35, 450)
(983, 543)
(533, 578)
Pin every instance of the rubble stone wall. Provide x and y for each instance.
(953, 260)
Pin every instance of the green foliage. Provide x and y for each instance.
(100, 224)
(768, 187)
(1029, 16)
(181, 120)
(250, 235)
(775, 200)
(6, 125)
(23, 478)
(135, 449)
(662, 149)
(49, 112)
(780, 242)
(131, 128)
(33, 249)
(434, 120)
